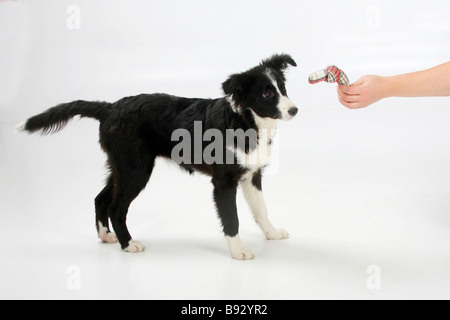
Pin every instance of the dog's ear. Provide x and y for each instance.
(237, 84)
(279, 62)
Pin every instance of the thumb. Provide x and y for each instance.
(354, 88)
(360, 81)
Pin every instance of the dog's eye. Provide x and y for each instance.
(267, 94)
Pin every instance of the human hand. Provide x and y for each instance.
(364, 92)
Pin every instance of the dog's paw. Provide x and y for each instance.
(134, 246)
(277, 234)
(105, 235)
(237, 250)
(109, 237)
(243, 254)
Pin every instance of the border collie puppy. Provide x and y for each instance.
(135, 130)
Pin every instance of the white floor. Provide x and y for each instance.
(369, 192)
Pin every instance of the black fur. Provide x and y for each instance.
(56, 118)
(135, 130)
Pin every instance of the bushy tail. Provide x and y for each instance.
(56, 118)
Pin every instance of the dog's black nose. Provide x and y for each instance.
(293, 111)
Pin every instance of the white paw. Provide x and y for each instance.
(277, 234)
(105, 235)
(108, 237)
(237, 250)
(243, 254)
(134, 246)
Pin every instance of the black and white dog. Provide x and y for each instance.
(135, 130)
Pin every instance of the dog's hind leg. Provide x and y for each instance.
(131, 171)
(126, 190)
(102, 203)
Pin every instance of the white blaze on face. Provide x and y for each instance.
(284, 103)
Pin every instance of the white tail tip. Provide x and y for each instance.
(20, 127)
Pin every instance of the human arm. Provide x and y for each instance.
(370, 89)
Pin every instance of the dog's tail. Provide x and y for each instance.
(56, 118)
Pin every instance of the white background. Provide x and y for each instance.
(354, 189)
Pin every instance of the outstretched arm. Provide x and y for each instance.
(369, 89)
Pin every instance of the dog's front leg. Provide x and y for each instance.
(252, 189)
(225, 199)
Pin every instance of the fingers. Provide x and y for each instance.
(349, 104)
(348, 93)
(349, 96)
(352, 96)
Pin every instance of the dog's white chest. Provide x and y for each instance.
(260, 156)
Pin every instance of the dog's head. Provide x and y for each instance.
(262, 89)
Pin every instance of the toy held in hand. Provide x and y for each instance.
(330, 74)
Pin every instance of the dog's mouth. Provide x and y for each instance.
(278, 116)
